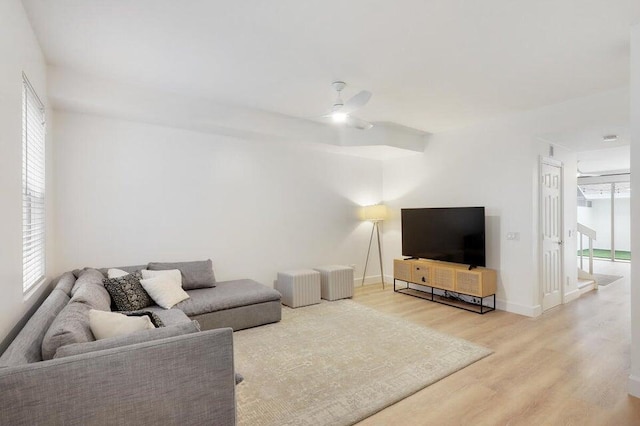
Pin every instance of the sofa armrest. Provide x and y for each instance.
(185, 380)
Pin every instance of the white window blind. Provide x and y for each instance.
(33, 187)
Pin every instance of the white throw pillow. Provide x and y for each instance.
(106, 324)
(164, 290)
(116, 273)
(174, 274)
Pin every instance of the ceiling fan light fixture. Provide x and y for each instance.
(341, 111)
(339, 117)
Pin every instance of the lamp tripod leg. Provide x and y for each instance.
(380, 254)
(364, 273)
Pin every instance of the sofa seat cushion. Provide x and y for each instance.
(227, 295)
(168, 317)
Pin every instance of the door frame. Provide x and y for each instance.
(556, 163)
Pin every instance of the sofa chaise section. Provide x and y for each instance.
(238, 304)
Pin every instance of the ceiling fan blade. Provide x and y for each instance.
(356, 102)
(358, 123)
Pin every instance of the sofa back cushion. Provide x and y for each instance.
(198, 274)
(65, 282)
(87, 276)
(26, 347)
(93, 294)
(70, 326)
(130, 269)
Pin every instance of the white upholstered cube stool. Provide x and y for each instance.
(300, 287)
(336, 281)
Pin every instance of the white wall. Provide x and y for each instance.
(461, 169)
(131, 192)
(19, 51)
(598, 217)
(634, 378)
(494, 164)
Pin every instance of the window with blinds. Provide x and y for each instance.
(33, 187)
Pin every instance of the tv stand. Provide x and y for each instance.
(453, 284)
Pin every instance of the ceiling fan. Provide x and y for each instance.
(341, 111)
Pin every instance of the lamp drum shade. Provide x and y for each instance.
(375, 213)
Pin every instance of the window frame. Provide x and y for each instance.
(33, 188)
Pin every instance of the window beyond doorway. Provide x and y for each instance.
(607, 211)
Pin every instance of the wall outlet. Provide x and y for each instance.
(513, 236)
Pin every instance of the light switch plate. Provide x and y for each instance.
(513, 236)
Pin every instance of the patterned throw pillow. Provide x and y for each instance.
(127, 293)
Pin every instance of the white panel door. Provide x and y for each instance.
(551, 224)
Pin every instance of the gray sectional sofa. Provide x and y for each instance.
(171, 375)
(237, 304)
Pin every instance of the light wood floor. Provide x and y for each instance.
(567, 367)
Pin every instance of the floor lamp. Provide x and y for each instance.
(375, 214)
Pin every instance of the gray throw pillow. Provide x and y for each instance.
(129, 339)
(127, 293)
(195, 275)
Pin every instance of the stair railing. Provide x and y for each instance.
(591, 234)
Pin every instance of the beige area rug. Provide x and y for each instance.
(337, 363)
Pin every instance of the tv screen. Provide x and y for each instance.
(451, 234)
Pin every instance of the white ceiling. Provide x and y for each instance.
(431, 65)
(613, 159)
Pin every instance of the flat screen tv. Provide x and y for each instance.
(451, 234)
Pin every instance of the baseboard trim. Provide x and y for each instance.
(572, 295)
(516, 308)
(371, 279)
(634, 386)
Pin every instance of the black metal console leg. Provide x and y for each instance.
(431, 296)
